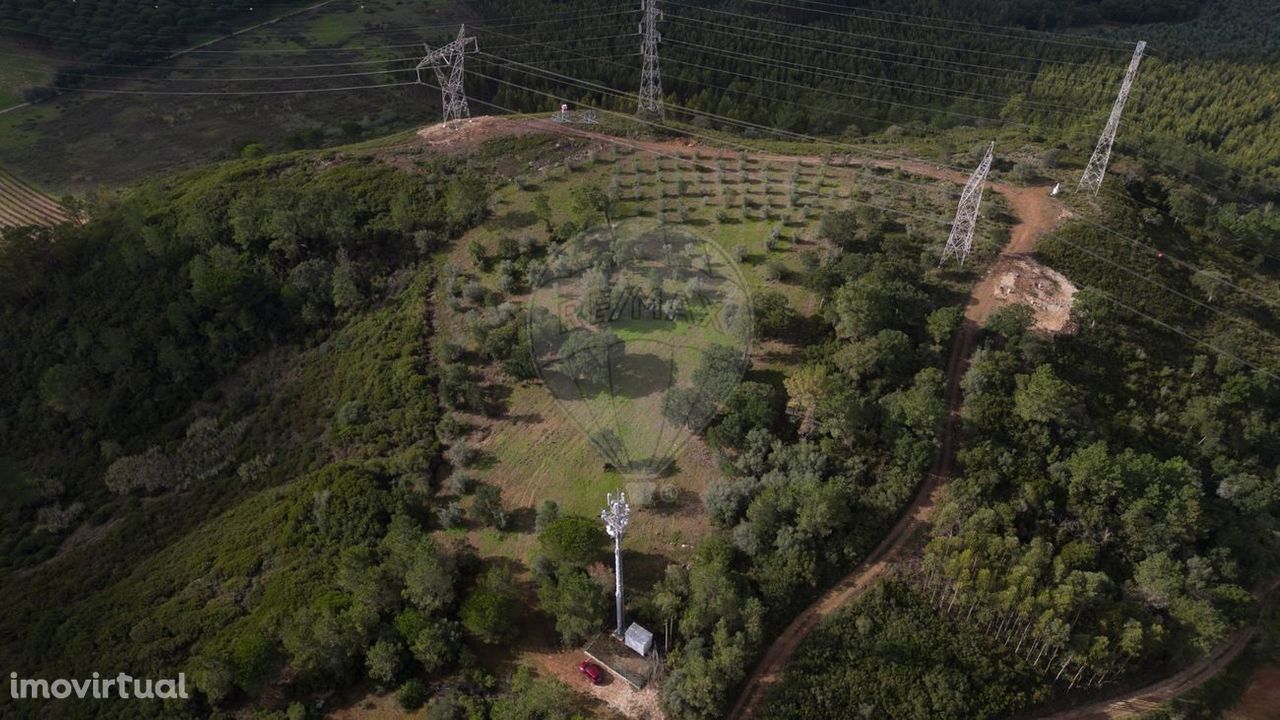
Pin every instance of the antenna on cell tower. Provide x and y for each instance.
(960, 242)
(616, 517)
(650, 76)
(447, 62)
(1097, 168)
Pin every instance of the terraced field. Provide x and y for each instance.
(20, 204)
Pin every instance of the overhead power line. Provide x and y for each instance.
(257, 78)
(889, 83)
(825, 73)
(295, 91)
(916, 21)
(920, 61)
(661, 124)
(1198, 341)
(1195, 339)
(881, 38)
(576, 18)
(598, 88)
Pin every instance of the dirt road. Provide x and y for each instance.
(1135, 703)
(1036, 214)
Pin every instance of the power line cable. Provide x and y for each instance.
(1199, 341)
(561, 98)
(140, 78)
(824, 73)
(1175, 260)
(789, 40)
(609, 92)
(577, 17)
(296, 91)
(1146, 278)
(880, 38)
(917, 21)
(598, 88)
(989, 98)
(804, 68)
(1058, 36)
(775, 99)
(211, 68)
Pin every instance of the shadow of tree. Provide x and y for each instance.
(516, 219)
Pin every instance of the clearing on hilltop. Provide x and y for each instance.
(733, 359)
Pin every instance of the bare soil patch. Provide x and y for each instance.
(1037, 214)
(1261, 700)
(1019, 279)
(615, 692)
(463, 135)
(542, 428)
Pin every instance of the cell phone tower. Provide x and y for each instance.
(650, 76)
(960, 242)
(1097, 168)
(616, 517)
(447, 62)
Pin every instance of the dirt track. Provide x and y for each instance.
(1036, 213)
(1132, 704)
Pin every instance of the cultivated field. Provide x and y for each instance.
(20, 204)
(118, 132)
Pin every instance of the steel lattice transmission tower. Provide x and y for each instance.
(960, 242)
(650, 75)
(616, 517)
(447, 62)
(1097, 168)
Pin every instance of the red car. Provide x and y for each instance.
(591, 670)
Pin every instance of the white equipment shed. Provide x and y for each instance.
(639, 639)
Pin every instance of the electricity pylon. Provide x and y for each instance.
(1097, 168)
(960, 241)
(616, 517)
(650, 76)
(447, 61)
